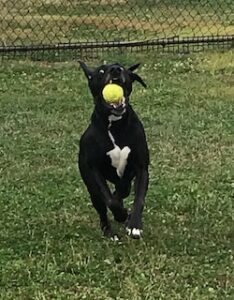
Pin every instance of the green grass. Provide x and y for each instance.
(51, 245)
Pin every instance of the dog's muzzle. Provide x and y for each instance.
(116, 75)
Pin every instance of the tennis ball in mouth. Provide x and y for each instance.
(113, 93)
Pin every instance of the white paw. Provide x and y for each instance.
(134, 232)
(115, 238)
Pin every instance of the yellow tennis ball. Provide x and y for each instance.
(113, 93)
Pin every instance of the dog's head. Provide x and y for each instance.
(112, 73)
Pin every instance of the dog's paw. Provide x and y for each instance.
(108, 232)
(134, 233)
(112, 236)
(133, 227)
(115, 238)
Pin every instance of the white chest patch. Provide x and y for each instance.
(118, 156)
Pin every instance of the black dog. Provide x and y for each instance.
(114, 149)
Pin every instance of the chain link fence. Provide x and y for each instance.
(86, 25)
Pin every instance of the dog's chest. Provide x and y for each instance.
(119, 157)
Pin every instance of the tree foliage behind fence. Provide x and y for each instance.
(87, 24)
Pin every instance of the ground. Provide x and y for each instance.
(51, 244)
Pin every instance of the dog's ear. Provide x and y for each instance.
(87, 71)
(133, 67)
(134, 76)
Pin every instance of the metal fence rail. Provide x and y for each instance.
(35, 25)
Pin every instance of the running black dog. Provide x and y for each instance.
(114, 149)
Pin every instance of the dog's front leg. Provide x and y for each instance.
(120, 213)
(134, 225)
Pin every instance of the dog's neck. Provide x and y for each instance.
(114, 118)
(103, 121)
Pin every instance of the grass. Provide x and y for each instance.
(37, 22)
(51, 245)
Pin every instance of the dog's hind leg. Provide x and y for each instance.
(122, 191)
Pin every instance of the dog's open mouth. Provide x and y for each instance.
(118, 108)
(118, 104)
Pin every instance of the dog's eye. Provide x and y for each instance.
(101, 71)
